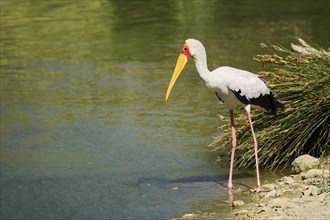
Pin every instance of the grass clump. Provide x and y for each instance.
(301, 80)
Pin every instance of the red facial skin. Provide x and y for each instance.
(185, 50)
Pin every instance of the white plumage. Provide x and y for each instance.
(233, 86)
(226, 80)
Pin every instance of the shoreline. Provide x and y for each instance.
(302, 195)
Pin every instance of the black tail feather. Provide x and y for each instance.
(278, 104)
(266, 102)
(275, 104)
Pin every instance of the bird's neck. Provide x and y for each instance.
(201, 66)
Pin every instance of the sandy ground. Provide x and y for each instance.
(305, 195)
(302, 196)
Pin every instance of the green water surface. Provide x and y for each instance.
(85, 130)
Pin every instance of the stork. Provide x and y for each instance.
(232, 86)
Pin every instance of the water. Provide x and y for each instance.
(85, 130)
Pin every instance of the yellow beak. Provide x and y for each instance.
(182, 60)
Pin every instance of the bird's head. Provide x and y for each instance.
(191, 48)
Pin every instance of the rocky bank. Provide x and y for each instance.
(302, 195)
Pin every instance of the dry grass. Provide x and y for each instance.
(302, 82)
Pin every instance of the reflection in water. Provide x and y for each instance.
(83, 117)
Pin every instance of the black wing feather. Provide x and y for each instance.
(267, 101)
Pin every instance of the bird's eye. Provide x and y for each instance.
(185, 48)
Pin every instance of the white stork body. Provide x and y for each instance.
(233, 86)
(227, 80)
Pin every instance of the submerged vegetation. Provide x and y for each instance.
(301, 79)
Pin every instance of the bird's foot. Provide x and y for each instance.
(258, 189)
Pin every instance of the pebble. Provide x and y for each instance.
(264, 209)
(189, 216)
(256, 197)
(237, 203)
(242, 212)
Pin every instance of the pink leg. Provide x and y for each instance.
(255, 144)
(233, 145)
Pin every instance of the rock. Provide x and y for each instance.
(304, 163)
(213, 214)
(256, 197)
(271, 194)
(313, 173)
(237, 203)
(242, 212)
(264, 209)
(237, 190)
(269, 187)
(277, 203)
(311, 191)
(189, 216)
(287, 180)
